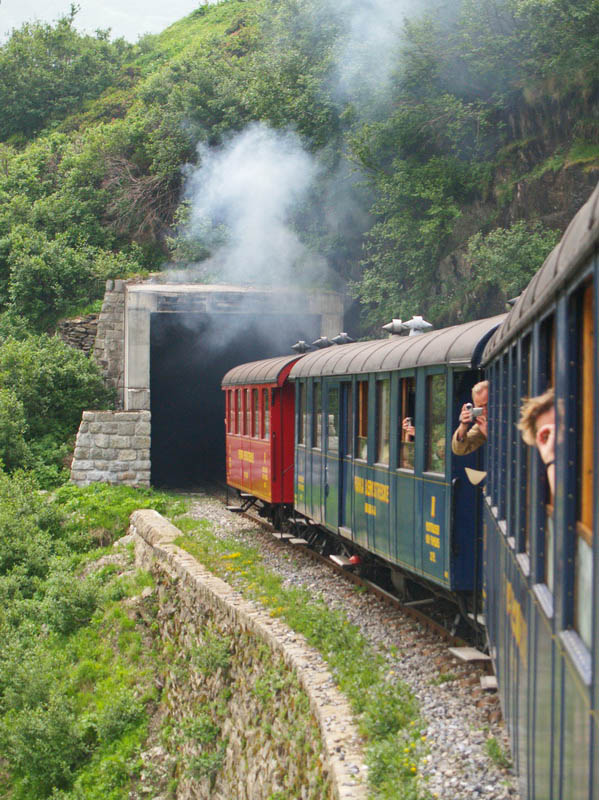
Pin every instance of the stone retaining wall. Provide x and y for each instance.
(264, 756)
(114, 447)
(109, 347)
(79, 332)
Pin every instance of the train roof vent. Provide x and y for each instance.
(396, 326)
(324, 341)
(417, 325)
(342, 338)
(301, 347)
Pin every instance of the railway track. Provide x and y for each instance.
(412, 609)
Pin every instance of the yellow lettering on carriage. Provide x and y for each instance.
(433, 506)
(370, 509)
(431, 527)
(433, 541)
(379, 491)
(245, 455)
(518, 624)
(432, 556)
(300, 480)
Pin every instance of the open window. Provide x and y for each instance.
(406, 431)
(435, 424)
(333, 420)
(583, 553)
(317, 415)
(362, 420)
(302, 414)
(382, 420)
(266, 410)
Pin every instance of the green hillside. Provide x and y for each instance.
(447, 152)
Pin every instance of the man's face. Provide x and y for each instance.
(481, 399)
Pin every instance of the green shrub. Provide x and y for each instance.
(70, 601)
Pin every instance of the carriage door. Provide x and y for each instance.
(332, 441)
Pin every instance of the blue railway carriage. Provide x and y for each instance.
(360, 475)
(542, 548)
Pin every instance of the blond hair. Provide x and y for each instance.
(479, 387)
(532, 408)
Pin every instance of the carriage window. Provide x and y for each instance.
(435, 424)
(406, 435)
(583, 560)
(333, 421)
(301, 414)
(228, 410)
(382, 421)
(362, 419)
(316, 415)
(526, 453)
(247, 430)
(266, 403)
(256, 407)
(348, 407)
(238, 415)
(548, 378)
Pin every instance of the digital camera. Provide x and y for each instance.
(474, 411)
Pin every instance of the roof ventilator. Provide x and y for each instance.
(324, 341)
(415, 326)
(301, 347)
(342, 338)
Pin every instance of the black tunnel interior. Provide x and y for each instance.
(189, 354)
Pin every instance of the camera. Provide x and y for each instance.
(474, 412)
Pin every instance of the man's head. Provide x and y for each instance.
(536, 412)
(480, 395)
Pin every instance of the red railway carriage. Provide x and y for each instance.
(259, 426)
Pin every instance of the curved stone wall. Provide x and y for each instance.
(268, 748)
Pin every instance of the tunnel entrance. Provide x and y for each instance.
(189, 354)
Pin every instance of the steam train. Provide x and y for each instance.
(320, 437)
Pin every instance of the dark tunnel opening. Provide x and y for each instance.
(189, 354)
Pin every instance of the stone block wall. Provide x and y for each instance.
(114, 447)
(79, 332)
(109, 347)
(273, 745)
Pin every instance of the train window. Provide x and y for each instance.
(228, 410)
(348, 407)
(583, 559)
(526, 452)
(362, 420)
(547, 343)
(247, 418)
(238, 414)
(256, 408)
(435, 424)
(316, 415)
(266, 404)
(301, 414)
(382, 421)
(333, 420)
(405, 434)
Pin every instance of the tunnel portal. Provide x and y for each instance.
(189, 354)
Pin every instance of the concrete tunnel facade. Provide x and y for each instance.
(164, 348)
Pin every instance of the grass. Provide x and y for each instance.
(498, 754)
(387, 713)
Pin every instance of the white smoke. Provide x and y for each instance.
(242, 198)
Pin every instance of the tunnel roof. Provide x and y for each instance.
(270, 370)
(459, 345)
(576, 245)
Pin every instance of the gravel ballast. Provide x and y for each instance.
(459, 716)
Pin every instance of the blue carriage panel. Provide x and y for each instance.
(300, 480)
(378, 492)
(576, 736)
(434, 531)
(403, 495)
(541, 730)
(332, 442)
(361, 504)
